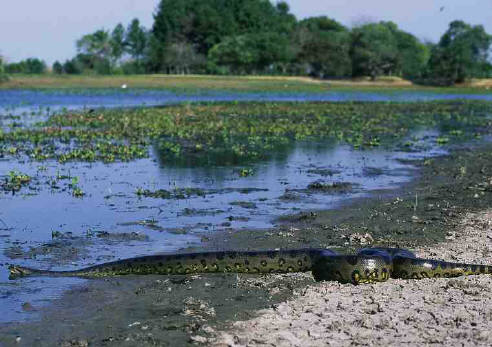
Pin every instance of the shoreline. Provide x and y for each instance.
(452, 312)
(247, 83)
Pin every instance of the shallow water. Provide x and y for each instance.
(45, 226)
(31, 100)
(111, 205)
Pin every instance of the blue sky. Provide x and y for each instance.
(48, 29)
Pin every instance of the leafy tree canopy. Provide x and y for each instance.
(28, 66)
(206, 23)
(323, 47)
(461, 53)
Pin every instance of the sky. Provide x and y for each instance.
(48, 29)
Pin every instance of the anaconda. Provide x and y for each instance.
(368, 265)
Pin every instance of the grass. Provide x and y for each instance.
(231, 133)
(192, 83)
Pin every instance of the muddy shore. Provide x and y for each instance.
(173, 311)
(451, 312)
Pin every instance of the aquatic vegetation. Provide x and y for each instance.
(244, 204)
(338, 187)
(245, 172)
(323, 172)
(77, 192)
(176, 193)
(230, 133)
(442, 140)
(14, 181)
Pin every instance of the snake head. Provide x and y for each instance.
(355, 269)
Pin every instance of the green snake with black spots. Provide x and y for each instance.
(368, 265)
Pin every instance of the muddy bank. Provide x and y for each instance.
(451, 312)
(184, 310)
(421, 213)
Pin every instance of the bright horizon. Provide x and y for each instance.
(48, 29)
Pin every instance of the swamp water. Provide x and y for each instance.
(45, 226)
(31, 100)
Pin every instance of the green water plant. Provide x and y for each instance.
(15, 180)
(236, 132)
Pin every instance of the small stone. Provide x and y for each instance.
(199, 339)
(208, 329)
(27, 307)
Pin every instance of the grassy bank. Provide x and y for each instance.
(191, 83)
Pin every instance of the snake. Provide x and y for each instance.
(368, 265)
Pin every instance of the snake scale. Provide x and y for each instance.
(368, 265)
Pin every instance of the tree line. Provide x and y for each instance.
(257, 37)
(2, 70)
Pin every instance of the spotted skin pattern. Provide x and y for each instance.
(368, 265)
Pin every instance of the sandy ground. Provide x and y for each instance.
(451, 312)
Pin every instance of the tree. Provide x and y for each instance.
(3, 76)
(413, 55)
(28, 66)
(235, 54)
(72, 67)
(324, 46)
(374, 50)
(95, 52)
(204, 24)
(250, 54)
(461, 53)
(181, 58)
(136, 40)
(57, 68)
(96, 44)
(117, 43)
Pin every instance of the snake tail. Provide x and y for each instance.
(17, 271)
(274, 261)
(417, 268)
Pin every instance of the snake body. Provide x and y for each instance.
(368, 265)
